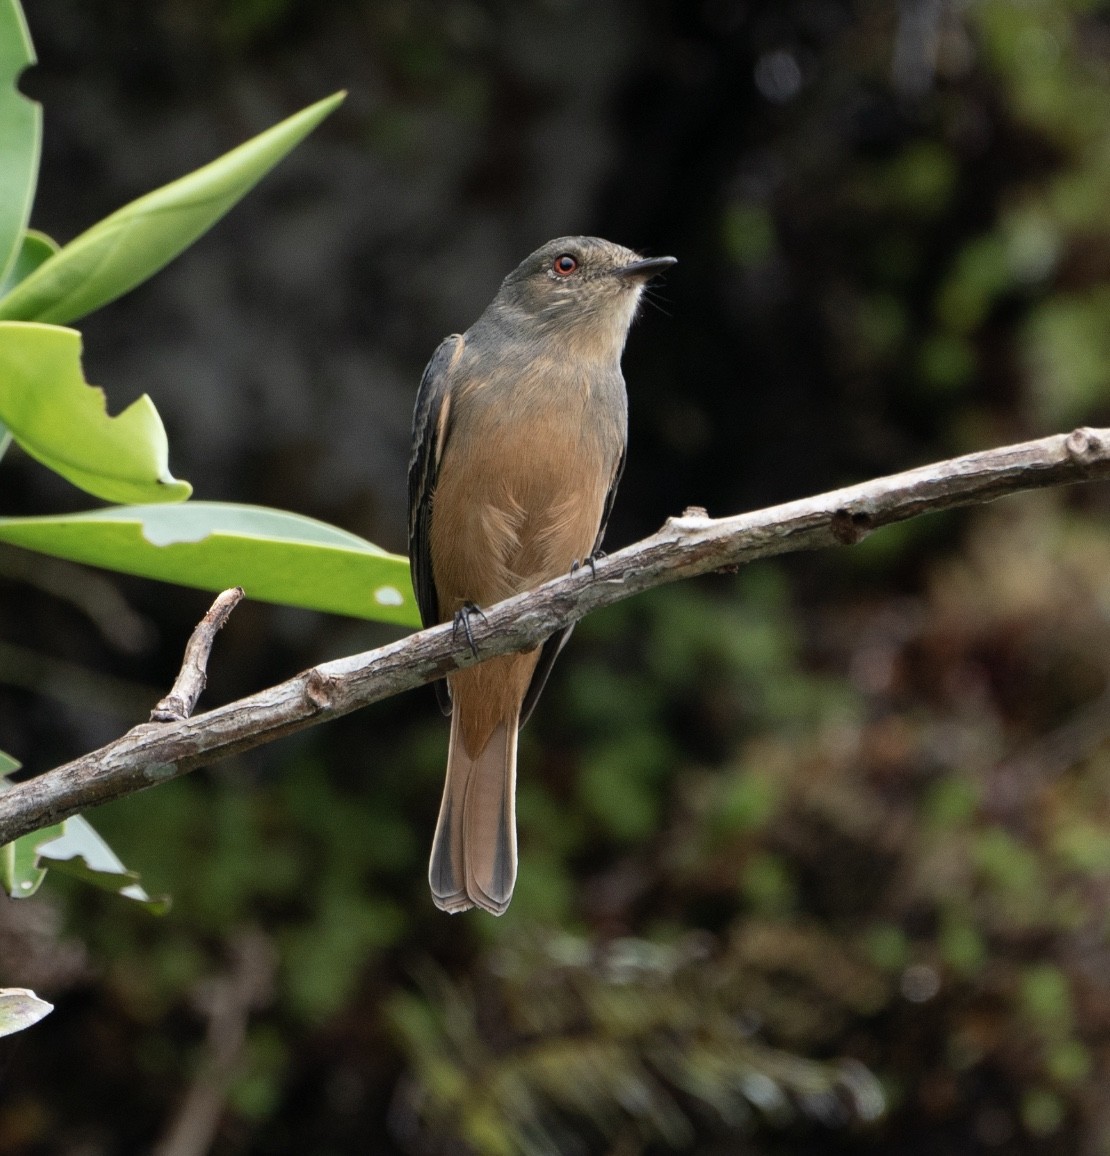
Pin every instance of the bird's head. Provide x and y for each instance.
(581, 290)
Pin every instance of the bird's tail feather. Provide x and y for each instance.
(446, 873)
(474, 851)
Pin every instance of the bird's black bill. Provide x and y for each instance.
(647, 268)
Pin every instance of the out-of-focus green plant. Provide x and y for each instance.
(876, 852)
(630, 1039)
(1031, 254)
(326, 877)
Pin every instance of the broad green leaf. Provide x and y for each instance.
(63, 422)
(126, 248)
(19, 1006)
(8, 764)
(20, 134)
(33, 250)
(273, 555)
(79, 851)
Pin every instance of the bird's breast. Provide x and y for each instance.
(522, 481)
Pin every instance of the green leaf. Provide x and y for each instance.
(136, 241)
(19, 1007)
(34, 249)
(79, 851)
(63, 422)
(20, 873)
(20, 134)
(273, 555)
(73, 847)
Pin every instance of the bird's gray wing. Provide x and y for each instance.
(430, 430)
(556, 642)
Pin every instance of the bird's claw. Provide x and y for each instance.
(590, 561)
(462, 621)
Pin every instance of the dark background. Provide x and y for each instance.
(842, 814)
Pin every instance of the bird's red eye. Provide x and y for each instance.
(564, 265)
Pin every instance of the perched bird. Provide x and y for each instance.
(518, 444)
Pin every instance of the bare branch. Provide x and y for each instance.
(193, 676)
(693, 544)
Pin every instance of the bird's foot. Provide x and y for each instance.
(590, 561)
(462, 622)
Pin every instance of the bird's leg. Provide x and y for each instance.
(462, 622)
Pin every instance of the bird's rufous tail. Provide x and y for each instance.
(474, 852)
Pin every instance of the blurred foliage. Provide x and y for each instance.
(789, 837)
(615, 1037)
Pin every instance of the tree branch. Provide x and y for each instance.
(193, 676)
(154, 753)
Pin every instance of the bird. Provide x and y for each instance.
(519, 435)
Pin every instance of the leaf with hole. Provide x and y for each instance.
(63, 422)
